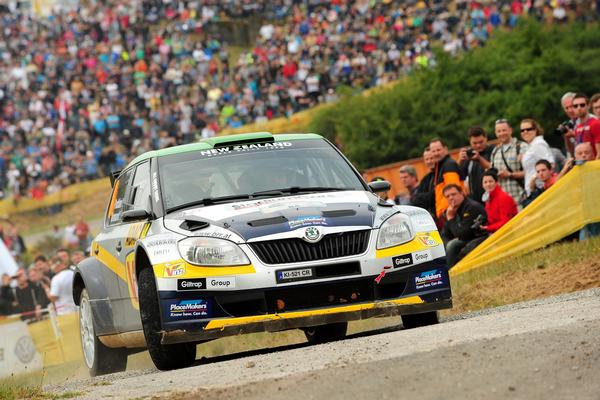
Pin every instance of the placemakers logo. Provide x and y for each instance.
(428, 240)
(428, 279)
(189, 308)
(173, 270)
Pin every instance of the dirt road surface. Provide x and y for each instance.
(545, 349)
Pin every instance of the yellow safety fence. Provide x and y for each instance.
(57, 344)
(67, 195)
(569, 205)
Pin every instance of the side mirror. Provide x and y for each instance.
(380, 186)
(137, 214)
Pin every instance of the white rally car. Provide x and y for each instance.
(249, 233)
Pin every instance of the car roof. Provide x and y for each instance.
(219, 141)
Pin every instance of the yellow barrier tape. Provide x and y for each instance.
(57, 351)
(569, 205)
(67, 195)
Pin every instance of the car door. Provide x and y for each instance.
(107, 246)
(138, 197)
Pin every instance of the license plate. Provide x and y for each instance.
(292, 275)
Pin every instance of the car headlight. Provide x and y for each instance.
(211, 252)
(394, 231)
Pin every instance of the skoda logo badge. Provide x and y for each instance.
(312, 234)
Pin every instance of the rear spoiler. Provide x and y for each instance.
(113, 177)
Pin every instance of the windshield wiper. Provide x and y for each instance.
(298, 189)
(210, 200)
(265, 193)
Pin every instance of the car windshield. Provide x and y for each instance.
(245, 171)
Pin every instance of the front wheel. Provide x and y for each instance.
(326, 333)
(99, 359)
(417, 320)
(164, 356)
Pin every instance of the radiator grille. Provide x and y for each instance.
(297, 250)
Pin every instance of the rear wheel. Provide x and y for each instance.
(417, 320)
(164, 356)
(326, 333)
(99, 359)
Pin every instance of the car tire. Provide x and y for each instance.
(417, 320)
(326, 333)
(164, 356)
(99, 359)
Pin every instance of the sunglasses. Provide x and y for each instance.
(523, 130)
(579, 105)
(501, 121)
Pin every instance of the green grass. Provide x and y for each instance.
(13, 390)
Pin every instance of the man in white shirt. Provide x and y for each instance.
(61, 288)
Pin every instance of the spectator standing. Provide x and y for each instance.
(82, 231)
(595, 102)
(506, 159)
(499, 206)
(461, 233)
(566, 102)
(6, 296)
(408, 177)
(424, 196)
(61, 287)
(537, 149)
(446, 172)
(588, 128)
(29, 297)
(474, 161)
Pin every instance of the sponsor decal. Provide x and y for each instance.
(206, 283)
(25, 349)
(293, 275)
(402, 261)
(279, 200)
(191, 284)
(308, 220)
(161, 242)
(427, 240)
(413, 258)
(241, 148)
(174, 270)
(429, 279)
(135, 231)
(155, 194)
(218, 235)
(184, 309)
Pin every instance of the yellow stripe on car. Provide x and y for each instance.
(422, 241)
(223, 323)
(187, 270)
(109, 261)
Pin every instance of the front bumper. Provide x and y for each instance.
(218, 313)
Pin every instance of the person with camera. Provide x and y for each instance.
(474, 160)
(588, 127)
(462, 230)
(499, 206)
(506, 159)
(538, 149)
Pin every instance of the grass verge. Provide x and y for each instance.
(559, 268)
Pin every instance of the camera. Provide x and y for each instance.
(477, 222)
(470, 153)
(564, 127)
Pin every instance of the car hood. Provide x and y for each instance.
(264, 217)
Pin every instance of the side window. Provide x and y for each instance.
(117, 200)
(140, 189)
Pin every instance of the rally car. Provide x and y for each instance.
(248, 233)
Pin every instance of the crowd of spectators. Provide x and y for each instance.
(489, 184)
(85, 90)
(31, 290)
